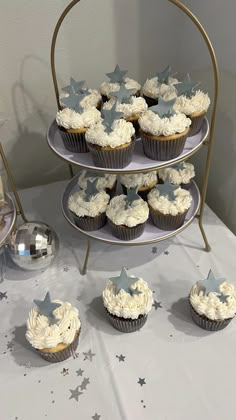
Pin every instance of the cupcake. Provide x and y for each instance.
(117, 77)
(161, 85)
(92, 99)
(194, 104)
(127, 215)
(53, 329)
(89, 207)
(144, 182)
(212, 303)
(106, 182)
(169, 205)
(163, 132)
(181, 174)
(111, 142)
(127, 300)
(73, 122)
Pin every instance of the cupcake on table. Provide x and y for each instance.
(105, 182)
(169, 205)
(160, 86)
(89, 207)
(92, 99)
(116, 78)
(163, 131)
(127, 215)
(213, 303)
(127, 300)
(181, 174)
(111, 141)
(53, 329)
(144, 182)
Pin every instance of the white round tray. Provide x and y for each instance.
(140, 162)
(10, 220)
(151, 233)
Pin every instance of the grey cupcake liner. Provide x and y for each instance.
(150, 101)
(126, 233)
(126, 325)
(166, 221)
(113, 158)
(88, 223)
(74, 142)
(62, 355)
(196, 124)
(142, 194)
(208, 324)
(162, 149)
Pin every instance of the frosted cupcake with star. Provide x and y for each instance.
(163, 131)
(213, 303)
(116, 78)
(105, 182)
(144, 181)
(53, 329)
(169, 205)
(127, 215)
(92, 99)
(111, 142)
(181, 174)
(127, 300)
(162, 85)
(89, 206)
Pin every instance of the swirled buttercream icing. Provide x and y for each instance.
(153, 88)
(93, 99)
(164, 205)
(125, 305)
(135, 107)
(199, 103)
(107, 181)
(122, 132)
(139, 180)
(69, 119)
(43, 335)
(133, 215)
(176, 176)
(97, 204)
(153, 124)
(106, 87)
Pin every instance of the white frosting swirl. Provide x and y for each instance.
(135, 107)
(138, 180)
(179, 205)
(199, 103)
(43, 335)
(134, 215)
(68, 118)
(122, 132)
(153, 88)
(106, 87)
(126, 306)
(97, 204)
(93, 99)
(153, 124)
(178, 176)
(108, 181)
(210, 305)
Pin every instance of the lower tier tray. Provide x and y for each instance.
(10, 219)
(151, 233)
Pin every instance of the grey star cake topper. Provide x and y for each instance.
(131, 197)
(223, 298)
(109, 116)
(91, 189)
(78, 87)
(186, 87)
(117, 76)
(73, 101)
(123, 282)
(94, 174)
(179, 166)
(123, 95)
(163, 76)
(164, 108)
(46, 307)
(211, 284)
(167, 190)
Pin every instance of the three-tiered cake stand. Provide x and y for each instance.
(140, 162)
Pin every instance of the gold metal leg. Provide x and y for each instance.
(207, 246)
(84, 269)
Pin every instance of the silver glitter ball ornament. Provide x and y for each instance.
(33, 246)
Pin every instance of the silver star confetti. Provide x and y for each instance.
(75, 393)
(88, 355)
(141, 381)
(121, 358)
(80, 372)
(3, 295)
(96, 416)
(157, 305)
(84, 384)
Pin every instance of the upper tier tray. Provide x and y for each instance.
(140, 162)
(10, 219)
(151, 233)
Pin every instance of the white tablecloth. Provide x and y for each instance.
(170, 370)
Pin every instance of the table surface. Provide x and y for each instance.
(169, 370)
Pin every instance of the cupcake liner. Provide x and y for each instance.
(166, 221)
(208, 324)
(143, 194)
(162, 149)
(150, 101)
(74, 142)
(196, 124)
(126, 233)
(90, 223)
(127, 325)
(62, 355)
(112, 158)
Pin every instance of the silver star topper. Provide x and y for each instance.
(223, 298)
(163, 76)
(179, 166)
(123, 95)
(73, 101)
(117, 76)
(131, 196)
(109, 116)
(78, 87)
(123, 282)
(164, 108)
(46, 307)
(211, 284)
(91, 189)
(167, 190)
(186, 87)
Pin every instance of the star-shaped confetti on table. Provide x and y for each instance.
(84, 384)
(65, 372)
(123, 93)
(157, 305)
(77, 87)
(117, 76)
(121, 358)
(75, 393)
(186, 87)
(141, 381)
(91, 189)
(163, 76)
(131, 196)
(166, 253)
(164, 108)
(88, 355)
(109, 116)
(65, 269)
(223, 298)
(73, 101)
(96, 416)
(3, 295)
(154, 250)
(211, 283)
(167, 190)
(123, 281)
(80, 372)
(46, 307)
(10, 345)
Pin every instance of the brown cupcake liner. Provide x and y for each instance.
(150, 101)
(196, 124)
(143, 194)
(166, 221)
(74, 142)
(126, 233)
(208, 324)
(88, 223)
(113, 158)
(127, 325)
(62, 355)
(162, 149)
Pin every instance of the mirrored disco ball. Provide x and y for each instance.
(33, 246)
